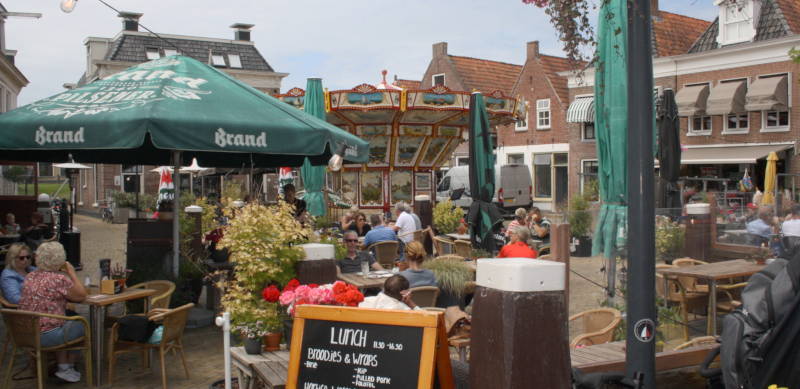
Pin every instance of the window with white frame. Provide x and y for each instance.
(737, 123)
(168, 52)
(218, 60)
(589, 170)
(437, 79)
(152, 53)
(700, 125)
(737, 19)
(587, 131)
(543, 114)
(522, 123)
(515, 159)
(542, 175)
(235, 61)
(775, 120)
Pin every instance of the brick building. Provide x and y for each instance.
(237, 57)
(734, 84)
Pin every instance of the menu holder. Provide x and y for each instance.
(352, 348)
(107, 286)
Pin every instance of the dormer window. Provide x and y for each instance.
(738, 20)
(218, 60)
(153, 53)
(168, 52)
(235, 61)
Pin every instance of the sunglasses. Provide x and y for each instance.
(351, 240)
(24, 257)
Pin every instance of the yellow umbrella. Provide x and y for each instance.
(770, 176)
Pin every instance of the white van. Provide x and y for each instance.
(512, 186)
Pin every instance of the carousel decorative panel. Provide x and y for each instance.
(407, 150)
(350, 187)
(435, 146)
(378, 146)
(372, 188)
(401, 186)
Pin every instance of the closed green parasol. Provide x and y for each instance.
(142, 114)
(314, 176)
(484, 217)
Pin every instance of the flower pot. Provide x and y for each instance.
(287, 331)
(252, 346)
(272, 341)
(583, 248)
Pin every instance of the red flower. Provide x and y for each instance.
(291, 285)
(271, 293)
(313, 286)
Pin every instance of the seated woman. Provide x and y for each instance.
(520, 219)
(395, 295)
(415, 274)
(47, 290)
(18, 265)
(518, 247)
(360, 226)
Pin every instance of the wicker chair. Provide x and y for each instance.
(385, 252)
(6, 305)
(677, 293)
(449, 257)
(174, 322)
(598, 326)
(424, 296)
(162, 297)
(443, 246)
(463, 248)
(23, 328)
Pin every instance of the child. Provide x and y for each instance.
(11, 226)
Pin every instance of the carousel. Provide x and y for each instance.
(411, 134)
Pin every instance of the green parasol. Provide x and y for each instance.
(611, 107)
(142, 114)
(314, 176)
(484, 217)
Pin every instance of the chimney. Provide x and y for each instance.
(654, 11)
(130, 20)
(439, 49)
(242, 31)
(533, 50)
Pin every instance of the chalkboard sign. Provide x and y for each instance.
(355, 348)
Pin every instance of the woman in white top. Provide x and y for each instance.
(395, 295)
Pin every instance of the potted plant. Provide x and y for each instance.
(447, 217)
(337, 293)
(120, 276)
(251, 330)
(580, 224)
(452, 275)
(670, 238)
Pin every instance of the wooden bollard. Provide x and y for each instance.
(519, 325)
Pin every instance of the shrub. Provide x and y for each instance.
(446, 217)
(669, 239)
(580, 220)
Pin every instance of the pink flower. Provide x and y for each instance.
(287, 297)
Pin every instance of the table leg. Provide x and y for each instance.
(712, 307)
(97, 316)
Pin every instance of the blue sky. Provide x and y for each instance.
(344, 42)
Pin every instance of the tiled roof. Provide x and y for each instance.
(486, 76)
(674, 34)
(132, 48)
(407, 84)
(552, 65)
(778, 18)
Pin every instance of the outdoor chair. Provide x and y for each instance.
(174, 322)
(676, 293)
(598, 326)
(443, 246)
(450, 257)
(691, 284)
(159, 300)
(463, 248)
(6, 305)
(23, 328)
(424, 296)
(544, 250)
(701, 340)
(385, 252)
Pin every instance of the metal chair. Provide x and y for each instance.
(385, 252)
(174, 322)
(598, 326)
(463, 248)
(424, 296)
(23, 328)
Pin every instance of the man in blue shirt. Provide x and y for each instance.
(762, 227)
(379, 232)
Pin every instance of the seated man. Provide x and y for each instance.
(791, 227)
(395, 295)
(380, 232)
(539, 225)
(352, 260)
(763, 226)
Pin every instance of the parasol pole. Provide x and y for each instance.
(176, 156)
(641, 207)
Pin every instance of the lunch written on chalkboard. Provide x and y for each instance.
(354, 348)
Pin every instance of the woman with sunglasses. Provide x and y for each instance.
(360, 226)
(18, 265)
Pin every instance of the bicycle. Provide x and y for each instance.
(106, 211)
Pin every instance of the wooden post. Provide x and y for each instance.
(559, 248)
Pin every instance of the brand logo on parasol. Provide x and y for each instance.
(43, 136)
(224, 139)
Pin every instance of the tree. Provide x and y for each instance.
(572, 21)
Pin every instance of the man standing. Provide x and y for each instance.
(405, 224)
(351, 263)
(379, 232)
(288, 196)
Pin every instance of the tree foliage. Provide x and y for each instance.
(572, 21)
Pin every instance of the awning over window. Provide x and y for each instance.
(581, 110)
(727, 97)
(691, 100)
(768, 94)
(727, 155)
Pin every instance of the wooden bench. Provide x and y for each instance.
(611, 357)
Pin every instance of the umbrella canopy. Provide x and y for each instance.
(314, 176)
(140, 115)
(669, 152)
(611, 126)
(483, 216)
(770, 176)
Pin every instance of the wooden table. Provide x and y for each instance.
(713, 272)
(611, 357)
(362, 282)
(97, 314)
(270, 368)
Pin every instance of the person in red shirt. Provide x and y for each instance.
(518, 247)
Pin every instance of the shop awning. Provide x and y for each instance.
(581, 110)
(768, 94)
(728, 155)
(727, 97)
(691, 100)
